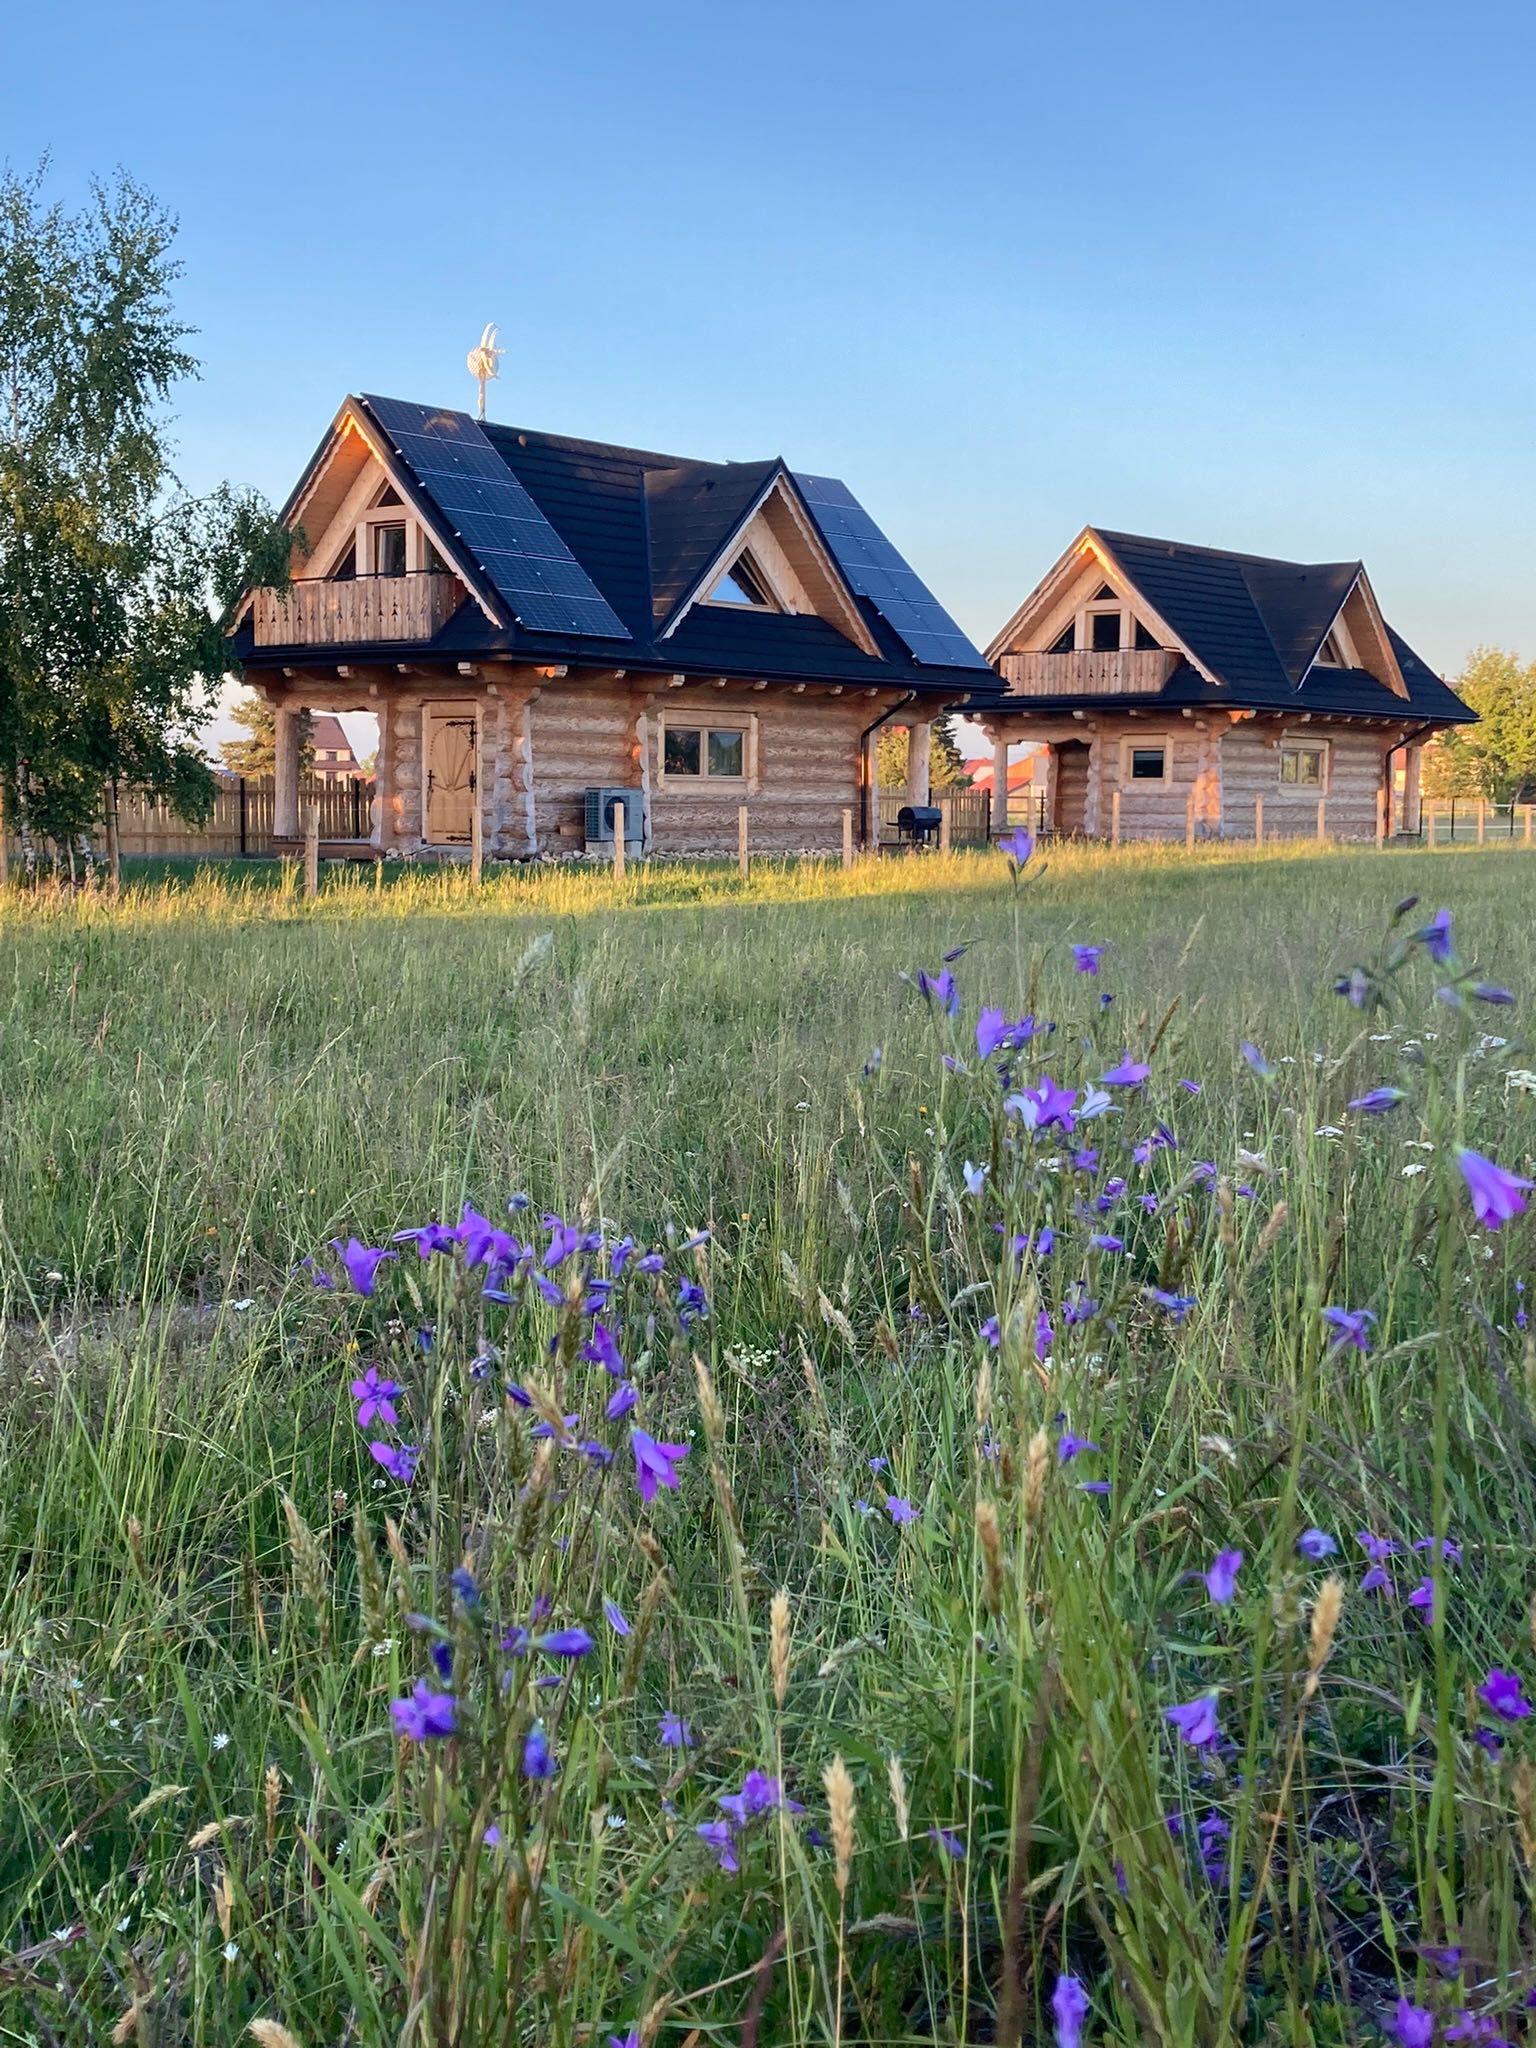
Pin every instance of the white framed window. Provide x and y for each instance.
(1304, 764)
(1338, 650)
(1106, 624)
(707, 750)
(1148, 760)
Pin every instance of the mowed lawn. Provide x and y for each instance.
(986, 1401)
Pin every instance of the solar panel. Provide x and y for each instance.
(488, 510)
(878, 572)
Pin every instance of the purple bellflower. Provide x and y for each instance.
(674, 1732)
(375, 1398)
(1500, 1693)
(1221, 1579)
(539, 1763)
(655, 1464)
(1196, 1721)
(1069, 2009)
(1316, 1544)
(1497, 1194)
(1019, 845)
(1413, 2025)
(1376, 1101)
(1086, 958)
(362, 1262)
(1128, 1074)
(399, 1460)
(1351, 1326)
(1436, 936)
(424, 1715)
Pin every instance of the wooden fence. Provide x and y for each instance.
(241, 822)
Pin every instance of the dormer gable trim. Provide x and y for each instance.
(832, 601)
(1377, 656)
(1087, 550)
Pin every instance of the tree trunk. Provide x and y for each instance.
(114, 849)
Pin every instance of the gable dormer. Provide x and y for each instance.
(1358, 639)
(775, 561)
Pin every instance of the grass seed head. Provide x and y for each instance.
(272, 2034)
(840, 1809)
(1325, 1621)
(989, 1536)
(896, 1777)
(778, 1646)
(1036, 1474)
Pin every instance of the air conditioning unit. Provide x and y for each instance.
(600, 809)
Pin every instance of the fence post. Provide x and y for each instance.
(5, 843)
(311, 851)
(945, 827)
(1322, 817)
(618, 842)
(847, 839)
(1381, 817)
(1258, 821)
(1114, 817)
(1189, 822)
(742, 856)
(1482, 821)
(244, 820)
(1528, 809)
(476, 837)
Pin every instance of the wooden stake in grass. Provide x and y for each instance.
(946, 827)
(311, 852)
(1114, 818)
(1189, 823)
(476, 837)
(847, 839)
(1258, 821)
(618, 842)
(1482, 821)
(742, 857)
(1381, 817)
(1322, 817)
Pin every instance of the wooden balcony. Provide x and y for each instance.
(1130, 672)
(355, 612)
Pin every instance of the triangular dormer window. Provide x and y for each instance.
(744, 584)
(1333, 653)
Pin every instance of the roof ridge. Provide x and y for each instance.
(1194, 547)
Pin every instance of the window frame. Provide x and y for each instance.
(1152, 743)
(1295, 743)
(704, 723)
(758, 576)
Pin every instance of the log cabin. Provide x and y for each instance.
(545, 627)
(1191, 692)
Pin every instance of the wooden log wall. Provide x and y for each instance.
(1250, 768)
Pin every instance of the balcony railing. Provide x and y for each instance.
(356, 611)
(1128, 672)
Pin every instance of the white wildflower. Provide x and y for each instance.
(221, 1741)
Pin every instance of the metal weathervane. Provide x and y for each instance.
(483, 359)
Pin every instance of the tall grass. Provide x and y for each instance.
(212, 1592)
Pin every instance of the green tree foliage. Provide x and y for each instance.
(256, 754)
(115, 583)
(1496, 758)
(946, 768)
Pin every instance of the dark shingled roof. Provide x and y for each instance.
(645, 527)
(1257, 624)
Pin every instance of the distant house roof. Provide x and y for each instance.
(580, 551)
(1251, 629)
(328, 738)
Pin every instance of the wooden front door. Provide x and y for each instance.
(1071, 787)
(451, 780)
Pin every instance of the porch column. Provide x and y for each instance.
(871, 769)
(285, 772)
(919, 741)
(1412, 764)
(999, 782)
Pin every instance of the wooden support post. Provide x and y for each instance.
(743, 858)
(476, 837)
(1528, 810)
(5, 843)
(999, 786)
(945, 827)
(1114, 818)
(1482, 821)
(1322, 817)
(1381, 817)
(1189, 823)
(1258, 821)
(311, 851)
(378, 875)
(618, 842)
(847, 839)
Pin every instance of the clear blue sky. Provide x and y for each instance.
(1258, 276)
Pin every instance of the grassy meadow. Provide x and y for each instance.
(850, 1725)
